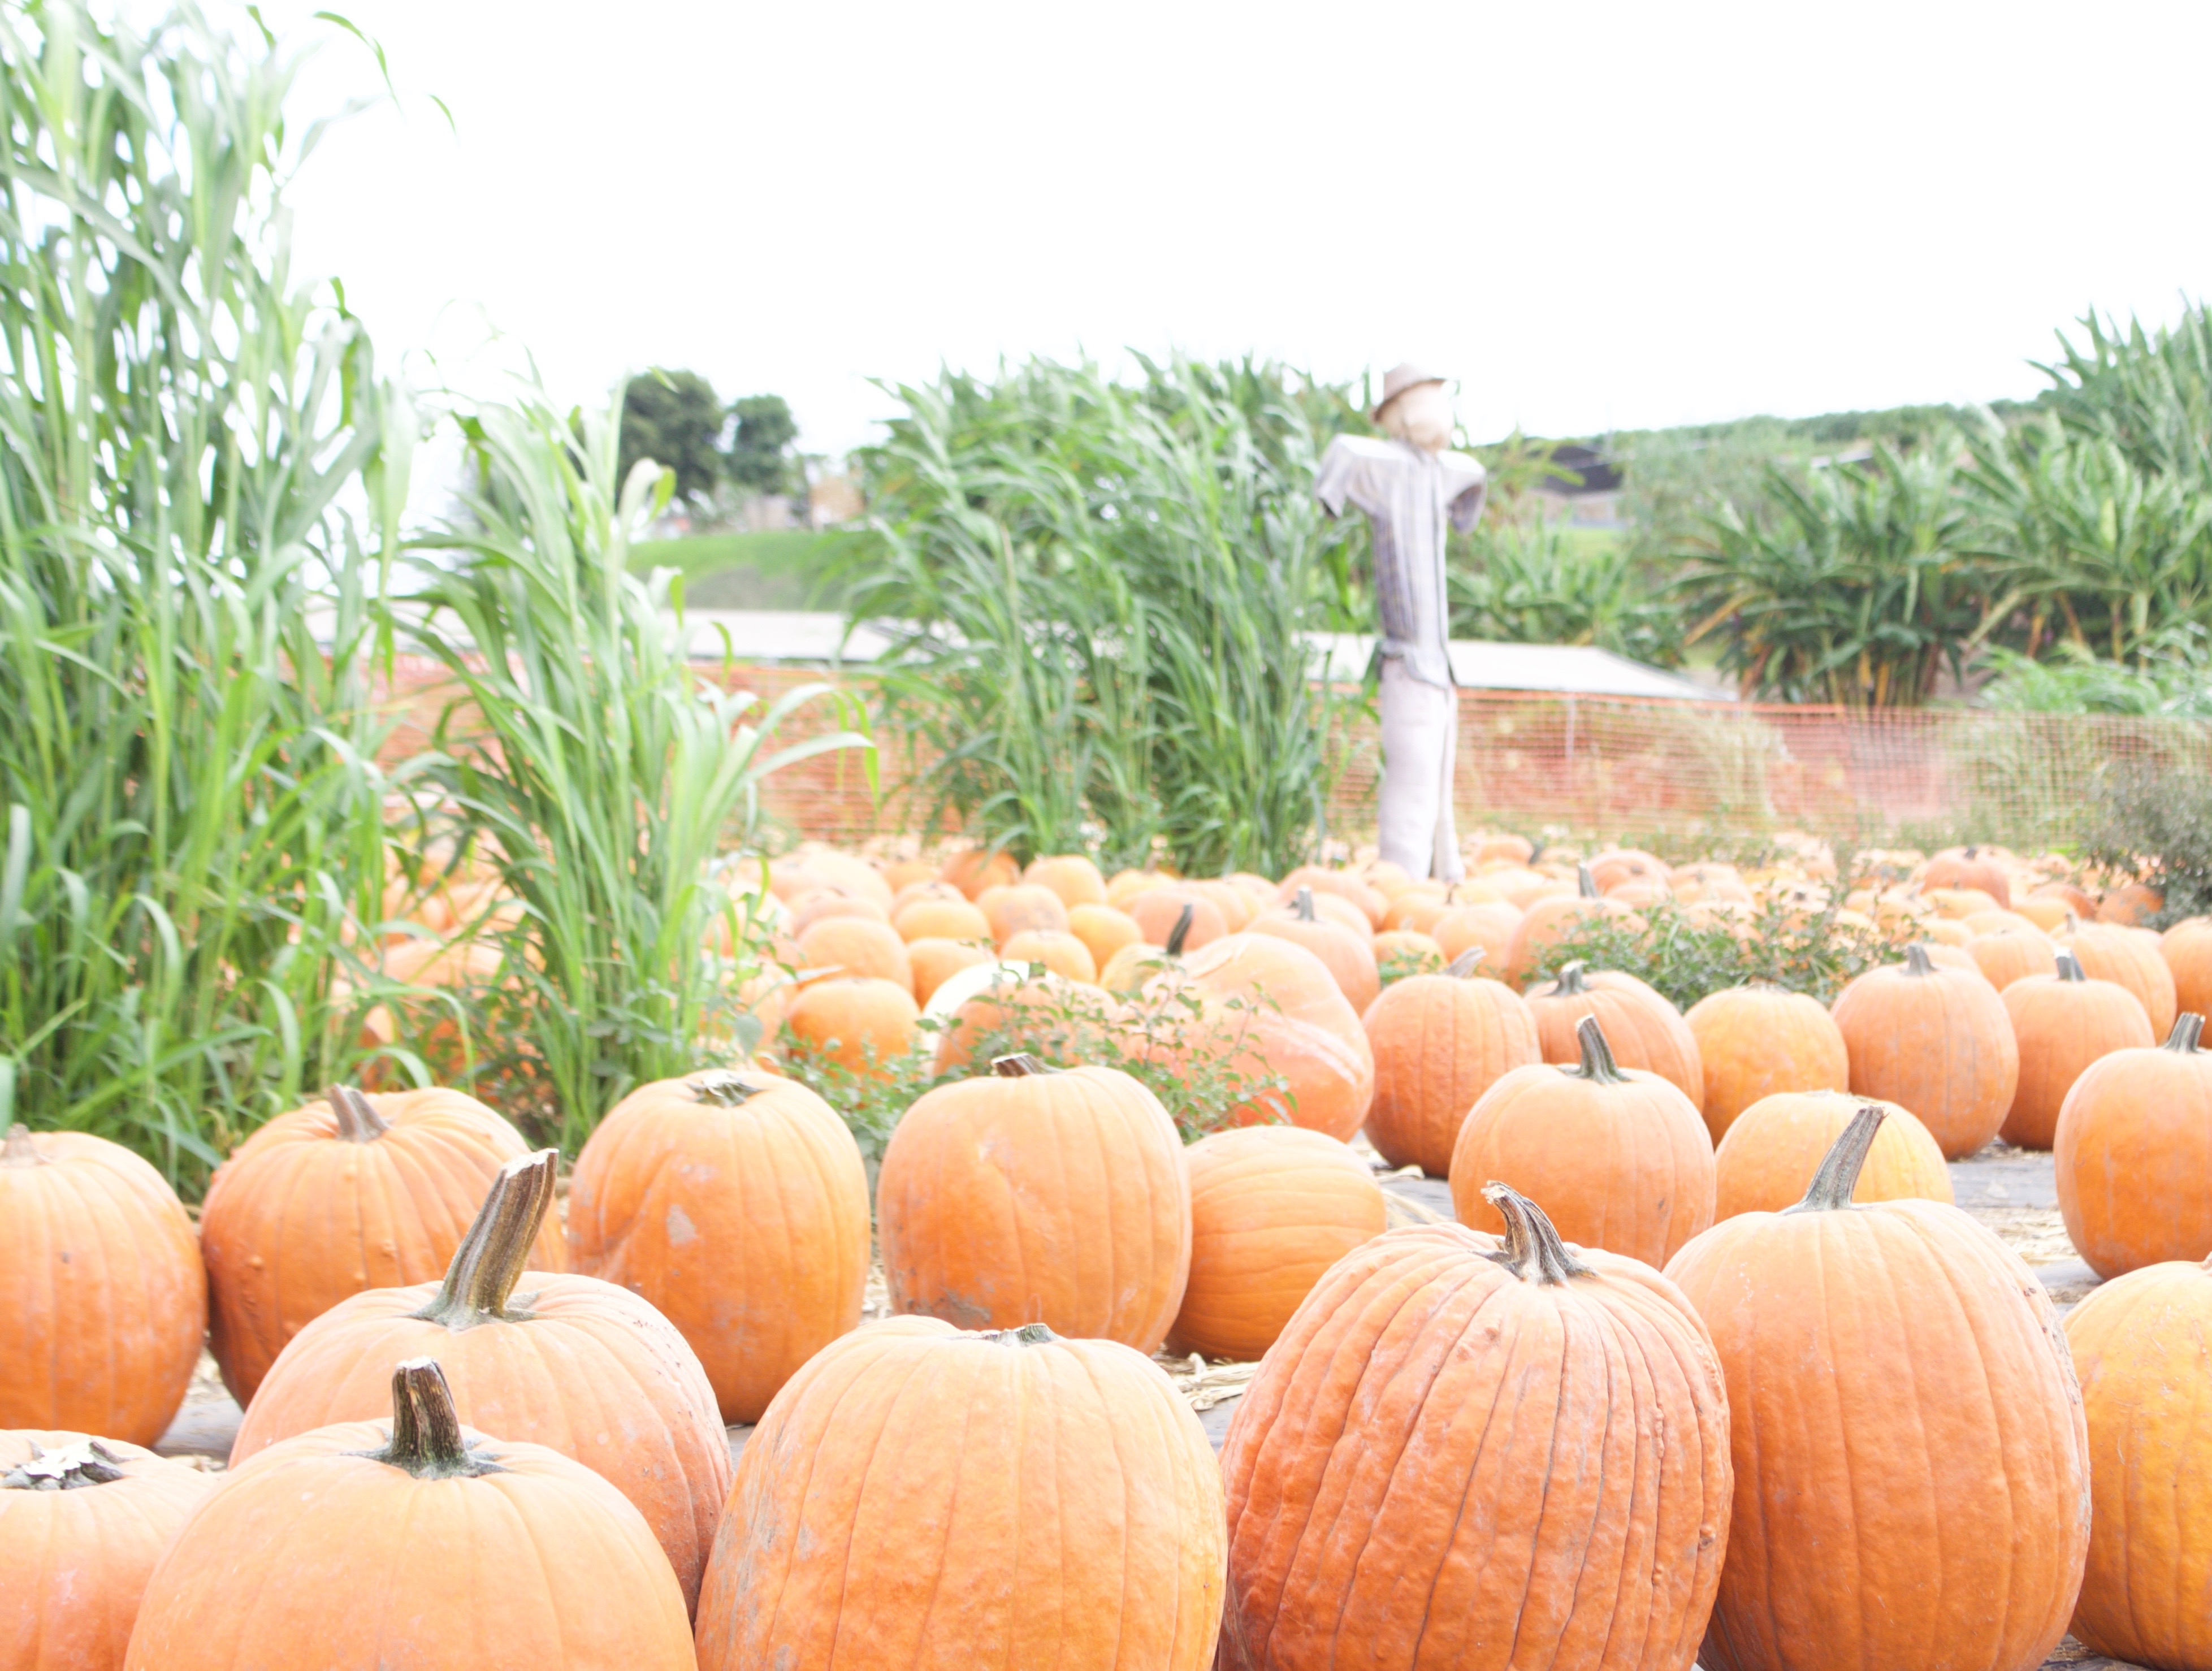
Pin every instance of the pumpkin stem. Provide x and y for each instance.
(1532, 1249)
(1019, 1066)
(1585, 883)
(427, 1440)
(2069, 967)
(72, 1467)
(1916, 960)
(1569, 983)
(492, 1256)
(1181, 932)
(357, 1121)
(1598, 1065)
(19, 1150)
(1461, 968)
(1029, 1335)
(723, 1086)
(1832, 1186)
(1304, 905)
(2188, 1028)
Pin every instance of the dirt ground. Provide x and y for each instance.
(2011, 1190)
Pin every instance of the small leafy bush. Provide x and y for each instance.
(2155, 822)
(1784, 946)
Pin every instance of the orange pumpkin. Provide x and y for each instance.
(1272, 1207)
(1968, 867)
(2007, 955)
(940, 920)
(1487, 928)
(349, 1194)
(1934, 1040)
(2140, 1345)
(863, 1025)
(823, 907)
(1756, 1041)
(2064, 1023)
(1548, 921)
(1034, 1196)
(1070, 875)
(1509, 849)
(1902, 1348)
(82, 1520)
(1619, 867)
(1062, 953)
(1441, 1463)
(1767, 1161)
(102, 1297)
(1132, 965)
(2187, 949)
(855, 948)
(1103, 930)
(415, 1542)
(1022, 907)
(975, 870)
(1349, 957)
(920, 1496)
(1440, 1041)
(1273, 1012)
(1644, 1029)
(1158, 913)
(1342, 884)
(2133, 1155)
(737, 1204)
(935, 962)
(1045, 1013)
(2107, 951)
(2076, 901)
(1621, 1154)
(1400, 952)
(2129, 904)
(571, 1363)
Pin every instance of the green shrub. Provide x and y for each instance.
(2155, 822)
(1784, 946)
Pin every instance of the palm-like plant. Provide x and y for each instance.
(1526, 582)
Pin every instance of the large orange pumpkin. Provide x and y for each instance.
(1071, 876)
(1348, 957)
(569, 1362)
(863, 1023)
(1271, 1010)
(1104, 930)
(1934, 1040)
(922, 1497)
(1344, 884)
(1644, 1029)
(1621, 1154)
(82, 1520)
(1447, 1460)
(1032, 1196)
(1912, 1471)
(2133, 1155)
(1548, 921)
(102, 1297)
(931, 919)
(1022, 907)
(1271, 1208)
(935, 962)
(2140, 1345)
(1968, 867)
(349, 1194)
(1772, 1150)
(2010, 954)
(1440, 1041)
(1758, 1041)
(1486, 927)
(1159, 912)
(855, 947)
(735, 1203)
(2062, 1023)
(975, 870)
(2129, 958)
(410, 1544)
(2187, 949)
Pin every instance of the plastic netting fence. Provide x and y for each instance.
(1614, 766)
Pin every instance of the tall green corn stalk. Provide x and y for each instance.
(187, 772)
(608, 776)
(1528, 582)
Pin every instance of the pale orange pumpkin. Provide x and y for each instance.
(931, 919)
(1062, 953)
(974, 870)
(2187, 949)
(2133, 1155)
(1159, 911)
(1934, 1040)
(1756, 1041)
(1349, 956)
(1071, 876)
(1342, 884)
(1024, 906)
(2109, 951)
(1548, 921)
(1643, 1029)
(2064, 1023)
(1773, 1149)
(1103, 930)
(863, 1025)
(1486, 927)
(935, 962)
(1440, 1041)
(856, 948)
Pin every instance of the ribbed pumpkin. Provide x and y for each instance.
(1058, 950)
(940, 920)
(1348, 957)
(854, 946)
(1070, 875)
(1774, 1147)
(1934, 1040)
(571, 1363)
(1486, 927)
(345, 1195)
(2064, 1023)
(102, 1297)
(975, 870)
(737, 1204)
(1272, 1207)
(2187, 949)
(1440, 1041)
(1758, 1041)
(1548, 921)
(410, 1544)
(1644, 1029)
(2007, 955)
(1024, 906)
(2107, 951)
(82, 1520)
(2133, 1155)
(2129, 904)
(1103, 930)
(1271, 1010)
(1041, 1011)
(922, 1497)
(1464, 1455)
(1968, 867)
(1912, 1471)
(1032, 1196)
(935, 962)
(1371, 904)
(1621, 1155)
(863, 1023)
(1159, 912)
(1133, 964)
(1400, 952)
(2140, 1345)
(823, 907)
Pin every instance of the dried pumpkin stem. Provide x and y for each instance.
(1461, 968)
(1019, 1066)
(1832, 1186)
(1569, 983)
(1533, 1250)
(19, 1150)
(1597, 1065)
(723, 1087)
(72, 1467)
(358, 1123)
(1304, 905)
(1029, 1335)
(1585, 883)
(2069, 967)
(427, 1440)
(2188, 1028)
(1916, 960)
(495, 1252)
(1181, 932)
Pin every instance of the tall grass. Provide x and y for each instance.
(607, 776)
(187, 771)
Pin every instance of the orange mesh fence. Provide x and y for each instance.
(1611, 765)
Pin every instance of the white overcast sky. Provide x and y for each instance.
(1597, 216)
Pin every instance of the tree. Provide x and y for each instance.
(759, 459)
(675, 419)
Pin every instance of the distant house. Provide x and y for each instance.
(1584, 491)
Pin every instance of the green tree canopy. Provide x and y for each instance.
(759, 459)
(675, 419)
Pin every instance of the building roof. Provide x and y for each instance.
(1598, 474)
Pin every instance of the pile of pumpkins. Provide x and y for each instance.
(1709, 1369)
